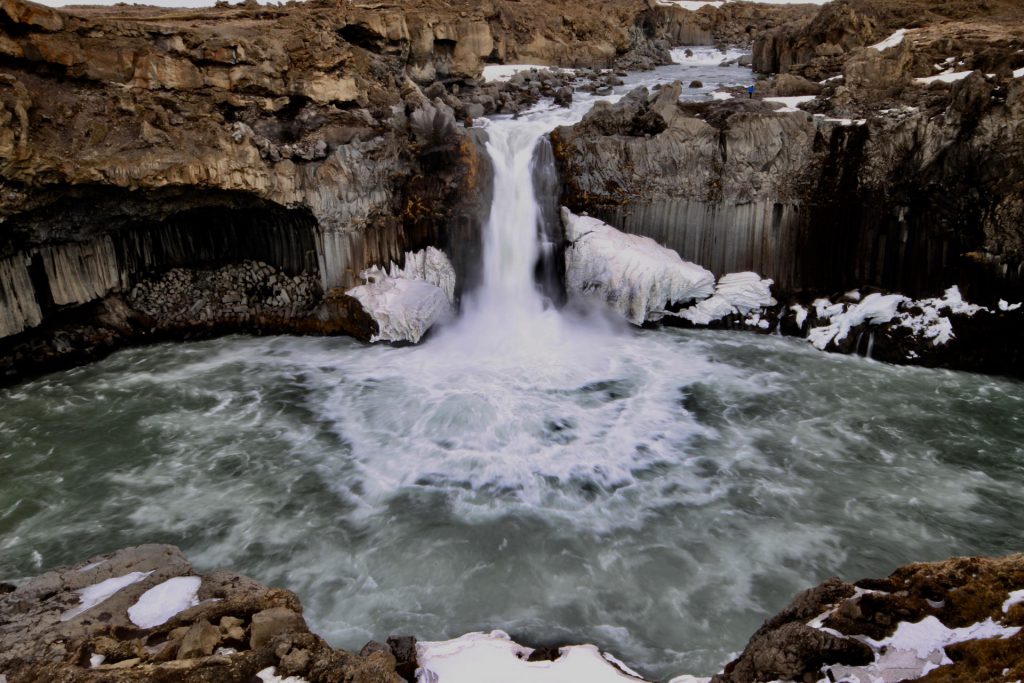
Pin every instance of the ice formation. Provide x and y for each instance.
(741, 293)
(161, 602)
(634, 275)
(97, 593)
(875, 309)
(406, 302)
(496, 658)
(926, 318)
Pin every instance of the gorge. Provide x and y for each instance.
(535, 464)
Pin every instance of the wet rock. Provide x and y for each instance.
(403, 648)
(374, 646)
(563, 96)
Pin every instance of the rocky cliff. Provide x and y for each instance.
(884, 178)
(285, 148)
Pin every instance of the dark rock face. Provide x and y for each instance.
(895, 184)
(234, 628)
(958, 592)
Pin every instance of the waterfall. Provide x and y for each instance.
(509, 312)
(511, 245)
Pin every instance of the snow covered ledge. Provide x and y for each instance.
(407, 302)
(494, 657)
(633, 275)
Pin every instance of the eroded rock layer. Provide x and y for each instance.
(885, 177)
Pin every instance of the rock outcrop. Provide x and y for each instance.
(142, 614)
(148, 152)
(957, 620)
(880, 180)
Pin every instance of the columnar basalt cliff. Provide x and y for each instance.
(881, 180)
(313, 141)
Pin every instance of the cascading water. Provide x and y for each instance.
(656, 493)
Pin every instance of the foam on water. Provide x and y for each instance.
(656, 493)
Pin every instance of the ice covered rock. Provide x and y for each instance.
(926, 319)
(430, 265)
(740, 293)
(874, 309)
(406, 302)
(633, 275)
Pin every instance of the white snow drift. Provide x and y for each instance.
(406, 302)
(633, 275)
(99, 592)
(163, 601)
(495, 658)
(915, 649)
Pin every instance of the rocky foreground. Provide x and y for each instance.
(143, 614)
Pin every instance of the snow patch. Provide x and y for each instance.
(927, 318)
(1018, 73)
(406, 302)
(789, 104)
(96, 660)
(930, 323)
(691, 5)
(721, 95)
(269, 675)
(1006, 306)
(161, 602)
(95, 594)
(892, 41)
(634, 275)
(1016, 598)
(947, 77)
(735, 293)
(915, 649)
(875, 309)
(801, 314)
(90, 567)
(494, 657)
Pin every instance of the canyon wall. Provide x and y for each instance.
(880, 180)
(309, 141)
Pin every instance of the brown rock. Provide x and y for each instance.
(200, 640)
(273, 622)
